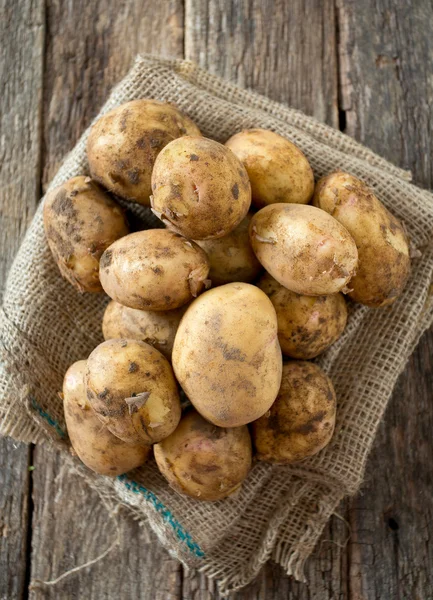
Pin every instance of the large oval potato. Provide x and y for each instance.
(301, 421)
(131, 388)
(200, 188)
(307, 325)
(80, 222)
(154, 269)
(278, 170)
(124, 143)
(156, 328)
(226, 354)
(231, 257)
(94, 445)
(204, 461)
(304, 248)
(383, 248)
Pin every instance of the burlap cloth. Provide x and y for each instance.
(281, 511)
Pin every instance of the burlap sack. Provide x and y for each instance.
(281, 511)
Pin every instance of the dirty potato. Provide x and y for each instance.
(204, 461)
(154, 269)
(231, 257)
(80, 222)
(200, 188)
(156, 328)
(94, 445)
(124, 143)
(384, 263)
(304, 248)
(307, 325)
(301, 421)
(278, 170)
(226, 354)
(131, 388)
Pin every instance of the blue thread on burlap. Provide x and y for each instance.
(180, 532)
(136, 488)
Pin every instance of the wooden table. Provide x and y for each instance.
(366, 67)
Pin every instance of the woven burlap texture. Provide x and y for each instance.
(280, 511)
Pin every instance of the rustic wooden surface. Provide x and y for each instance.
(366, 67)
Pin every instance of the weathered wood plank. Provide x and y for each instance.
(21, 57)
(386, 56)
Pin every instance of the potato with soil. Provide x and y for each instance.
(124, 143)
(301, 421)
(80, 222)
(131, 388)
(231, 257)
(307, 325)
(204, 461)
(94, 445)
(226, 354)
(383, 248)
(200, 188)
(154, 269)
(156, 328)
(304, 248)
(278, 170)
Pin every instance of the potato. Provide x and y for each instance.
(154, 269)
(156, 328)
(200, 189)
(124, 143)
(278, 170)
(80, 222)
(304, 248)
(231, 257)
(302, 419)
(226, 354)
(94, 445)
(131, 388)
(383, 248)
(307, 325)
(204, 461)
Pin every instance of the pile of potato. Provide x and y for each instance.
(246, 270)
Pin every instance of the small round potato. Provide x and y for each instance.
(156, 328)
(204, 461)
(124, 143)
(278, 170)
(94, 445)
(383, 248)
(131, 388)
(231, 257)
(307, 325)
(302, 419)
(226, 354)
(154, 269)
(304, 248)
(80, 222)
(200, 189)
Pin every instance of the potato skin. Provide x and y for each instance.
(124, 143)
(278, 170)
(383, 248)
(80, 222)
(304, 248)
(94, 445)
(301, 421)
(204, 461)
(231, 257)
(226, 354)
(200, 188)
(156, 328)
(131, 388)
(307, 325)
(154, 269)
